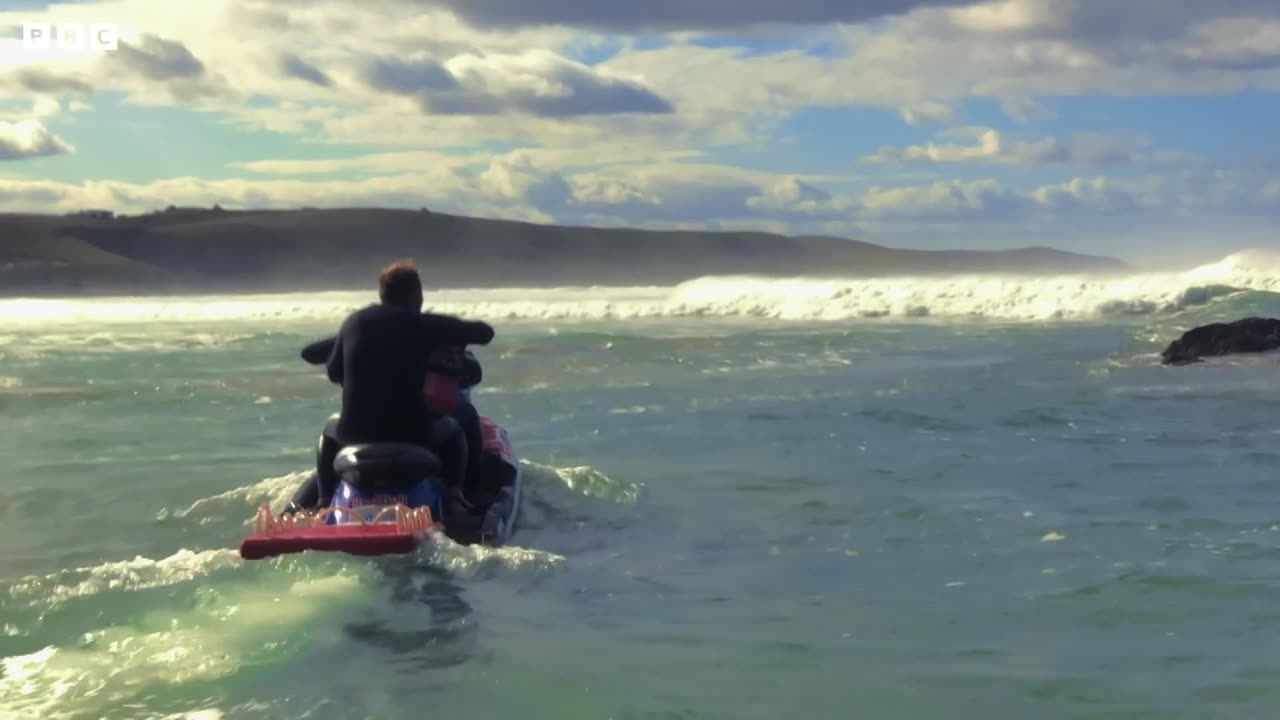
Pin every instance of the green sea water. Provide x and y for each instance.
(728, 515)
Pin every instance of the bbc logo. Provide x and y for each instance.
(97, 37)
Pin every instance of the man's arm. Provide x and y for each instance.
(449, 330)
(318, 352)
(472, 373)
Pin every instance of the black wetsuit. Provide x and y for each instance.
(380, 357)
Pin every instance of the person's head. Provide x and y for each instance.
(400, 285)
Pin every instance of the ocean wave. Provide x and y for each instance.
(1065, 297)
(1009, 297)
(140, 573)
(239, 502)
(473, 561)
(582, 480)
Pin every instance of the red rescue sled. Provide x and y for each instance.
(388, 530)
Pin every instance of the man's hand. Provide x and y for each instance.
(458, 504)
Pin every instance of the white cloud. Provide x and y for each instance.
(28, 139)
(949, 200)
(1271, 193)
(536, 82)
(45, 107)
(925, 112)
(992, 146)
(670, 15)
(791, 197)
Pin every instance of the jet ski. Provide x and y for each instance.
(389, 498)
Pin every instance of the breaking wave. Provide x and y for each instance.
(240, 502)
(1067, 297)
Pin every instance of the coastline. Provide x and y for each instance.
(216, 251)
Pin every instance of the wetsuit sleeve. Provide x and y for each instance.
(318, 352)
(448, 330)
(334, 366)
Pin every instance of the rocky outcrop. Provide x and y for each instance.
(1250, 335)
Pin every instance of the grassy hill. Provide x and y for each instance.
(202, 250)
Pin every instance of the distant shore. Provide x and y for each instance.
(214, 251)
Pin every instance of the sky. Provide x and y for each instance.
(1142, 129)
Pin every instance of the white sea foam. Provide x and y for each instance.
(1067, 297)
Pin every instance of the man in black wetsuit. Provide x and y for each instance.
(381, 357)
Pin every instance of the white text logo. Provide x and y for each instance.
(70, 37)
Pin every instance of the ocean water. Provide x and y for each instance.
(905, 498)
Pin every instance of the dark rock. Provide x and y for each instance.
(1250, 335)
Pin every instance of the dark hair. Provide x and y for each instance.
(399, 283)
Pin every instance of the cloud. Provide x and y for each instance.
(517, 177)
(924, 112)
(1142, 37)
(536, 82)
(992, 147)
(927, 64)
(1270, 193)
(159, 59)
(949, 200)
(45, 107)
(296, 67)
(791, 197)
(439, 81)
(383, 163)
(41, 80)
(1103, 21)
(408, 78)
(165, 65)
(672, 15)
(415, 160)
(29, 139)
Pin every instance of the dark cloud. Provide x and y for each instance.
(1232, 59)
(1148, 19)
(170, 66)
(296, 67)
(408, 78)
(602, 98)
(1233, 36)
(159, 59)
(40, 80)
(659, 15)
